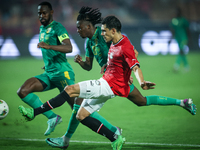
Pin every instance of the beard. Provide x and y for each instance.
(45, 23)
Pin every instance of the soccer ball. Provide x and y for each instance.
(4, 109)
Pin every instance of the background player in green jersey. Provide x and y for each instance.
(54, 43)
(98, 48)
(180, 30)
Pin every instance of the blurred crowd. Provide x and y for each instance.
(20, 16)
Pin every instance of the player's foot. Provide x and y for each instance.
(117, 144)
(189, 106)
(28, 113)
(52, 123)
(58, 142)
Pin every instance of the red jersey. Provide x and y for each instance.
(121, 60)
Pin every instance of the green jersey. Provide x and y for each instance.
(180, 26)
(54, 34)
(97, 47)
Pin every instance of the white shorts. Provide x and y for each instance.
(95, 94)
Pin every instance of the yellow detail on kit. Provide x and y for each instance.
(67, 74)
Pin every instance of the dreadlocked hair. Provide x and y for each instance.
(89, 14)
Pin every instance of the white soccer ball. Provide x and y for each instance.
(4, 109)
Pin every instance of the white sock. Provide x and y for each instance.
(66, 140)
(182, 103)
(117, 132)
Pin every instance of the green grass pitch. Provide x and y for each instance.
(145, 128)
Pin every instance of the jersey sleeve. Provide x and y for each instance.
(129, 56)
(61, 32)
(88, 50)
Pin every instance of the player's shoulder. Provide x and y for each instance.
(126, 42)
(57, 24)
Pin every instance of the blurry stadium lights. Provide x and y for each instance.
(75, 49)
(153, 43)
(8, 49)
(36, 52)
(1, 40)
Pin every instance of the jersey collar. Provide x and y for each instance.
(48, 24)
(119, 40)
(96, 33)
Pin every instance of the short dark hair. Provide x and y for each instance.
(89, 14)
(112, 22)
(47, 4)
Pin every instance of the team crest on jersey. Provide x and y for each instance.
(48, 30)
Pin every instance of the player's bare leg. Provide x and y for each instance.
(25, 93)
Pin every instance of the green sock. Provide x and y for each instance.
(105, 122)
(161, 100)
(185, 62)
(73, 122)
(34, 101)
(178, 60)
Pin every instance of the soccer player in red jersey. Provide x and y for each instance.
(121, 61)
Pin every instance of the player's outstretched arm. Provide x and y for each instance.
(87, 64)
(145, 85)
(65, 47)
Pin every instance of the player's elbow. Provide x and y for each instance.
(87, 67)
(70, 49)
(67, 49)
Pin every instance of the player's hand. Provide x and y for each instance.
(103, 68)
(77, 58)
(43, 45)
(146, 85)
(136, 53)
(130, 80)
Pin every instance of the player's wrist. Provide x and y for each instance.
(48, 47)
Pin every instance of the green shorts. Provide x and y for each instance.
(131, 88)
(57, 80)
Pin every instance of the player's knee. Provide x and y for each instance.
(22, 92)
(79, 117)
(70, 89)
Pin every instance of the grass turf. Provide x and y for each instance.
(153, 124)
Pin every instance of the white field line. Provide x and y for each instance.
(129, 143)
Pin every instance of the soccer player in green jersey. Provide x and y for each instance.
(180, 30)
(98, 48)
(54, 43)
